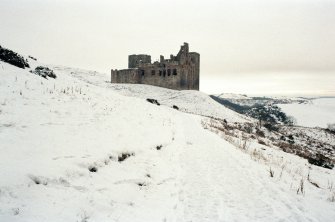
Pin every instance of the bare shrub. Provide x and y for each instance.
(84, 217)
(301, 187)
(243, 144)
(272, 173)
(332, 197)
(312, 182)
(282, 170)
(247, 127)
(330, 185)
(258, 155)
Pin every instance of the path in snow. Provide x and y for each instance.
(220, 183)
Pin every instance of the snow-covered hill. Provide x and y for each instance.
(244, 100)
(189, 101)
(78, 148)
(233, 96)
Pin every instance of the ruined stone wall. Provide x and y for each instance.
(136, 60)
(125, 76)
(180, 72)
(163, 75)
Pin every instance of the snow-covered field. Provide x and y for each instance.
(318, 113)
(62, 143)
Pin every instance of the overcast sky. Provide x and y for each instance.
(246, 46)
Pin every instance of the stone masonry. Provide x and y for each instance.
(179, 72)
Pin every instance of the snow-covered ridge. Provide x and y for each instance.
(189, 101)
(78, 148)
(245, 100)
(232, 96)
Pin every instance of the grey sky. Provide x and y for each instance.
(247, 46)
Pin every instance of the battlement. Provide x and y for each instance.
(178, 72)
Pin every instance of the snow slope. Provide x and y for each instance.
(189, 101)
(318, 113)
(53, 133)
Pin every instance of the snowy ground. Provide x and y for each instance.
(318, 113)
(53, 133)
(189, 101)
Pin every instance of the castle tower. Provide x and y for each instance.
(135, 60)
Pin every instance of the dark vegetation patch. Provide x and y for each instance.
(236, 107)
(261, 142)
(13, 58)
(330, 131)
(321, 160)
(269, 114)
(154, 101)
(141, 184)
(290, 139)
(260, 133)
(316, 159)
(175, 107)
(123, 156)
(159, 147)
(93, 169)
(271, 127)
(44, 72)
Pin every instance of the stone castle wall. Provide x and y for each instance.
(179, 72)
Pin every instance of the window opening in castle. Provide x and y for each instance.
(175, 72)
(169, 72)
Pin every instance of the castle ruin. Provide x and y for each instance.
(180, 72)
